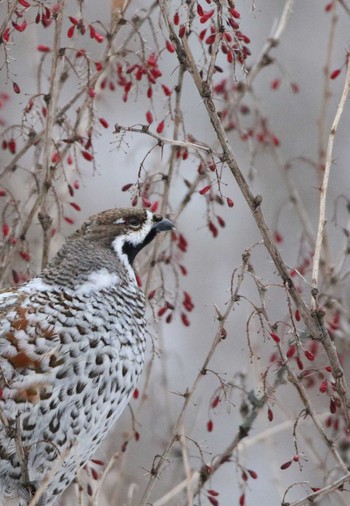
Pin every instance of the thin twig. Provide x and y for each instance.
(345, 6)
(51, 99)
(163, 140)
(337, 484)
(48, 477)
(106, 470)
(187, 467)
(159, 461)
(272, 42)
(325, 182)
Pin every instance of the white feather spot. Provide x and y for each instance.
(96, 281)
(37, 284)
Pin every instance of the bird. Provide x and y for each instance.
(72, 346)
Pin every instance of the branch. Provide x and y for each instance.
(264, 58)
(51, 99)
(312, 319)
(324, 186)
(143, 129)
(320, 493)
(345, 6)
(220, 334)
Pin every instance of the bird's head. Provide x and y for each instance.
(125, 230)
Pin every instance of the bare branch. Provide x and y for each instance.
(325, 182)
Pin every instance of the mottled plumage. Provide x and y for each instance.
(72, 343)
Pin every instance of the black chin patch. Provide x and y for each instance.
(131, 250)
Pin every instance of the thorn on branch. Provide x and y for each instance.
(314, 293)
(266, 61)
(45, 220)
(47, 184)
(243, 431)
(204, 473)
(246, 256)
(205, 90)
(288, 283)
(273, 42)
(257, 202)
(223, 333)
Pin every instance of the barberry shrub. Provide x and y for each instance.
(232, 118)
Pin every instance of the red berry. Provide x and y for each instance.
(185, 320)
(204, 190)
(162, 310)
(335, 74)
(182, 31)
(278, 237)
(5, 229)
(300, 363)
(99, 37)
(12, 146)
(332, 406)
(170, 47)
(127, 187)
(87, 155)
(43, 49)
(275, 84)
(167, 91)
(70, 31)
(21, 27)
(234, 13)
(206, 16)
(103, 122)
(160, 127)
(149, 117)
(75, 206)
(309, 355)
(16, 88)
(291, 351)
(275, 337)
(323, 386)
(286, 465)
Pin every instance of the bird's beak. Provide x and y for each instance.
(163, 225)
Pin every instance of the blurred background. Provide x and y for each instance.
(289, 94)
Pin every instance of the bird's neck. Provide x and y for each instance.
(85, 267)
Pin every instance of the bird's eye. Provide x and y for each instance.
(133, 222)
